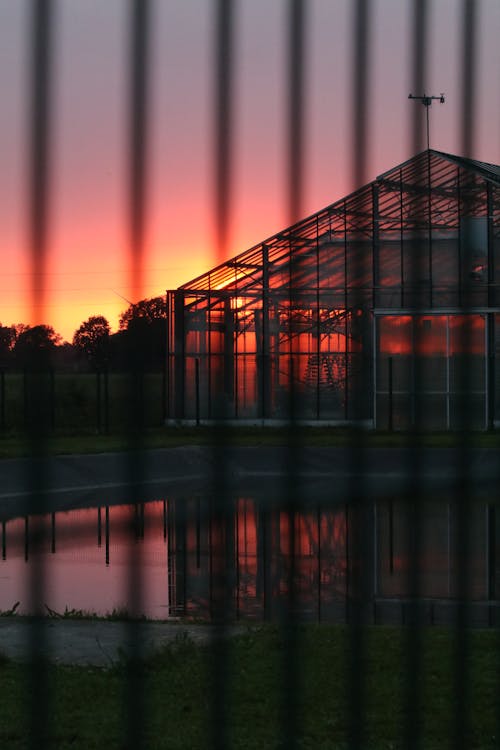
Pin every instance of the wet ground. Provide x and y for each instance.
(100, 643)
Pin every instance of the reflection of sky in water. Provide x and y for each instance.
(76, 575)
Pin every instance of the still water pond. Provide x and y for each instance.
(86, 558)
(170, 558)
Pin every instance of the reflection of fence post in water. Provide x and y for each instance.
(99, 527)
(347, 562)
(177, 563)
(53, 533)
(106, 533)
(237, 580)
(318, 532)
(138, 524)
(168, 511)
(264, 560)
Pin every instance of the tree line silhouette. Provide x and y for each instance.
(141, 339)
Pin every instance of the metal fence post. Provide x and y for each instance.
(2, 399)
(197, 388)
(390, 404)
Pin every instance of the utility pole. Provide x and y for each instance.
(427, 101)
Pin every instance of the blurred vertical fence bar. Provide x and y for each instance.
(415, 460)
(219, 517)
(41, 41)
(462, 501)
(359, 520)
(221, 521)
(297, 26)
(139, 85)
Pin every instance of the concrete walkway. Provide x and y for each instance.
(78, 481)
(101, 643)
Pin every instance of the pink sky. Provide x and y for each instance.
(87, 268)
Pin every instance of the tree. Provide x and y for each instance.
(7, 340)
(148, 310)
(35, 345)
(92, 340)
(142, 335)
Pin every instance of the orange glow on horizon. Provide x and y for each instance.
(85, 284)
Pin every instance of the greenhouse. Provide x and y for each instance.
(382, 309)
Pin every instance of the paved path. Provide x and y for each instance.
(100, 643)
(318, 473)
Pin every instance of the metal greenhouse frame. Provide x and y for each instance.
(382, 308)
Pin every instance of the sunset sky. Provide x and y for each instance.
(87, 271)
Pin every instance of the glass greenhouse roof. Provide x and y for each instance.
(403, 198)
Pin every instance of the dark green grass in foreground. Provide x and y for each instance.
(87, 711)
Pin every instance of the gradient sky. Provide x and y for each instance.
(87, 266)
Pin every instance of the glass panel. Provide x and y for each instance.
(395, 334)
(416, 261)
(332, 265)
(359, 263)
(445, 261)
(474, 249)
(430, 345)
(390, 264)
(402, 372)
(466, 334)
(467, 371)
(434, 359)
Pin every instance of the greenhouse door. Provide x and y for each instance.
(430, 372)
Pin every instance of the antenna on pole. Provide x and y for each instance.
(427, 101)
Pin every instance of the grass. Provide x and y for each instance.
(88, 707)
(68, 402)
(13, 445)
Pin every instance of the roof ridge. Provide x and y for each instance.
(487, 171)
(467, 161)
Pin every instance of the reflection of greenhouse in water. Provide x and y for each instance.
(383, 307)
(260, 560)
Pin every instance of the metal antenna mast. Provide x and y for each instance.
(427, 101)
